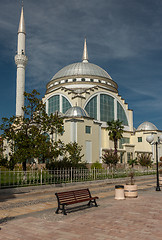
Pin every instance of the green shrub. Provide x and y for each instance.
(145, 160)
(96, 165)
(110, 158)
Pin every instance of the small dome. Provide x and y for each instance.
(76, 112)
(146, 126)
(81, 68)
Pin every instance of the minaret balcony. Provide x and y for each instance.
(21, 59)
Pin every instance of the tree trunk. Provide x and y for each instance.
(24, 165)
(115, 146)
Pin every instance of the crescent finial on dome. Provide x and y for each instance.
(85, 52)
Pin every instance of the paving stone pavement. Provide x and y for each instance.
(130, 219)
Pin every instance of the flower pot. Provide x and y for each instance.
(130, 191)
(160, 181)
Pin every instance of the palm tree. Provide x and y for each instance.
(132, 162)
(115, 129)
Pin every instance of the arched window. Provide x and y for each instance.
(91, 107)
(106, 108)
(104, 105)
(65, 104)
(121, 114)
(54, 104)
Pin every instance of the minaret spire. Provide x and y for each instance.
(85, 52)
(21, 61)
(22, 22)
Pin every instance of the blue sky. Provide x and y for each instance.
(124, 37)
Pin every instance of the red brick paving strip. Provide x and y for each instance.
(130, 219)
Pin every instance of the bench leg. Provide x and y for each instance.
(57, 211)
(91, 202)
(95, 203)
(63, 209)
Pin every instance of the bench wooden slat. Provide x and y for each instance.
(80, 200)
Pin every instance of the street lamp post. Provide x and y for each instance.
(150, 139)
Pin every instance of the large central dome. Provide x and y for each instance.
(81, 68)
(82, 75)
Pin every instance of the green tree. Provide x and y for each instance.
(110, 158)
(145, 160)
(67, 156)
(27, 136)
(115, 129)
(133, 162)
(74, 155)
(3, 161)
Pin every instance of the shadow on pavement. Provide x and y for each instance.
(10, 193)
(6, 194)
(5, 220)
(78, 208)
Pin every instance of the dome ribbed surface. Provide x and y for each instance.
(147, 126)
(81, 68)
(76, 112)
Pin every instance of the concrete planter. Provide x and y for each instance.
(130, 191)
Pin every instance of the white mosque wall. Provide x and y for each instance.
(75, 130)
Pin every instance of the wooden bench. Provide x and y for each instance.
(72, 197)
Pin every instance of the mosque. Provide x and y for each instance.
(87, 97)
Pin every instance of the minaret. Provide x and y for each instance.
(85, 52)
(21, 61)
